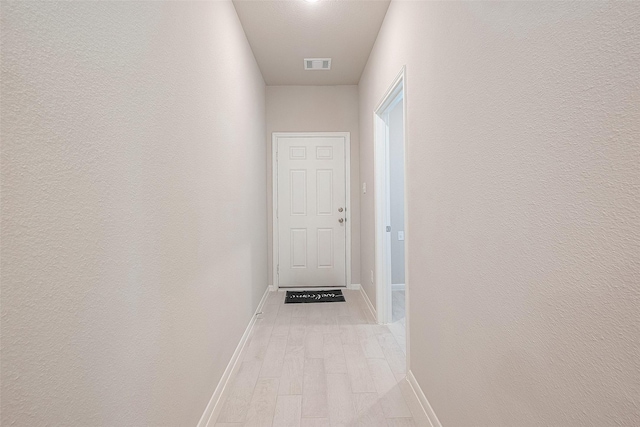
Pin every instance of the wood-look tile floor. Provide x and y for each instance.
(320, 365)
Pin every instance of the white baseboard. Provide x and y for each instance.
(312, 288)
(426, 407)
(397, 287)
(213, 407)
(352, 286)
(372, 310)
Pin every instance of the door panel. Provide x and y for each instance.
(325, 248)
(298, 190)
(324, 192)
(312, 230)
(298, 248)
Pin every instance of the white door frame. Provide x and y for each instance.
(274, 213)
(382, 204)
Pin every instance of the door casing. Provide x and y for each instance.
(397, 89)
(274, 170)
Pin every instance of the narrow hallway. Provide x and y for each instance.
(165, 164)
(314, 365)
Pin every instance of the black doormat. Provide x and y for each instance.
(296, 297)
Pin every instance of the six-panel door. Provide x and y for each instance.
(311, 211)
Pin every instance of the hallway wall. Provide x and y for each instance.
(524, 194)
(317, 109)
(133, 208)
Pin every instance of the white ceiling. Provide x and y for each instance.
(284, 32)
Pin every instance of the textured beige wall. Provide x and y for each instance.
(317, 109)
(133, 209)
(524, 206)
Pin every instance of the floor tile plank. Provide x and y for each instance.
(313, 344)
(288, 411)
(400, 422)
(263, 403)
(314, 390)
(368, 410)
(369, 342)
(258, 342)
(274, 357)
(292, 371)
(358, 370)
(297, 331)
(236, 404)
(391, 398)
(315, 422)
(334, 361)
(283, 321)
(341, 408)
(395, 356)
(347, 329)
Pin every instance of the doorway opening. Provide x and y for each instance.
(392, 285)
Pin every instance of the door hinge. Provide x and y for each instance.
(388, 229)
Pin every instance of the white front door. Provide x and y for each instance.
(311, 210)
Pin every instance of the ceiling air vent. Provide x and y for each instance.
(316, 64)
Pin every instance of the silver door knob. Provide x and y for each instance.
(340, 209)
(341, 220)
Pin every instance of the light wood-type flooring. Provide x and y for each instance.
(320, 365)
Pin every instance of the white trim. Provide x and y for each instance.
(426, 406)
(397, 286)
(312, 288)
(370, 306)
(352, 287)
(274, 211)
(347, 206)
(393, 95)
(274, 187)
(213, 407)
(407, 227)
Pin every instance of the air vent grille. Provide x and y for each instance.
(317, 64)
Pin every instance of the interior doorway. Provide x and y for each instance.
(391, 224)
